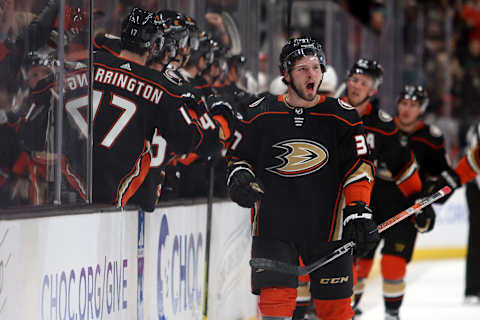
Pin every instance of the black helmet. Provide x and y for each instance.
(370, 68)
(139, 30)
(205, 44)
(174, 26)
(415, 93)
(44, 59)
(299, 47)
(193, 32)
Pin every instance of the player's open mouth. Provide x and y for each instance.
(310, 85)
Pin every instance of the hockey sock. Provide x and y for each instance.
(303, 300)
(278, 303)
(303, 296)
(393, 271)
(363, 266)
(339, 309)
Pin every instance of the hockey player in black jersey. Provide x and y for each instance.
(130, 103)
(189, 174)
(427, 144)
(302, 165)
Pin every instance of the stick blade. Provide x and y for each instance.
(263, 264)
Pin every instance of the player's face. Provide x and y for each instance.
(408, 111)
(36, 74)
(306, 76)
(359, 88)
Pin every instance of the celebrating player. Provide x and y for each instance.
(128, 107)
(427, 144)
(301, 161)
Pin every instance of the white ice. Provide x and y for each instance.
(435, 291)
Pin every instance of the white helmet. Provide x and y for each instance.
(329, 82)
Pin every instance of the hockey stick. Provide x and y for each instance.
(233, 33)
(262, 264)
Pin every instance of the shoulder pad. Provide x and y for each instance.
(256, 102)
(111, 36)
(435, 131)
(262, 103)
(171, 76)
(345, 105)
(384, 116)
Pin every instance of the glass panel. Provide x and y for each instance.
(232, 25)
(33, 172)
(74, 117)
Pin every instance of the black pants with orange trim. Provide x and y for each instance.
(398, 245)
(332, 283)
(387, 201)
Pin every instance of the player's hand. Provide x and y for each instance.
(359, 227)
(221, 109)
(244, 188)
(425, 220)
(446, 178)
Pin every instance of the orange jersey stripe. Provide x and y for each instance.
(223, 123)
(411, 185)
(465, 171)
(130, 183)
(385, 133)
(428, 143)
(358, 191)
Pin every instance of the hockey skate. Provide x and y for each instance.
(472, 299)
(392, 315)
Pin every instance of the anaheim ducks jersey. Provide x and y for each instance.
(468, 167)
(128, 106)
(38, 128)
(428, 145)
(393, 161)
(107, 42)
(307, 159)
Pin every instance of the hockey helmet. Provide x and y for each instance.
(205, 44)
(44, 59)
(299, 47)
(370, 68)
(193, 32)
(174, 26)
(415, 93)
(139, 30)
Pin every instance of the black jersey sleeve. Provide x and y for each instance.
(356, 166)
(431, 143)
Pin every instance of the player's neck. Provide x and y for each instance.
(293, 100)
(157, 66)
(408, 127)
(134, 57)
(362, 108)
(192, 71)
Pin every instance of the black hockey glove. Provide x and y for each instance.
(447, 178)
(217, 106)
(425, 219)
(359, 227)
(243, 187)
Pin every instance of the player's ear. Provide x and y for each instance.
(373, 92)
(286, 76)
